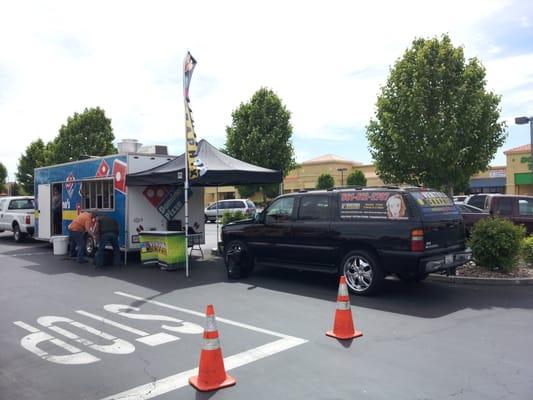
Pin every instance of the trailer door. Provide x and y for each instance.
(44, 205)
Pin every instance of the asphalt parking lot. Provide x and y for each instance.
(69, 331)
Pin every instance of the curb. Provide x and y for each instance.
(466, 280)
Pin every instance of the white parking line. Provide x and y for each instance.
(173, 382)
(199, 314)
(151, 340)
(177, 381)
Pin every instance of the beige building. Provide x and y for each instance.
(518, 172)
(513, 178)
(306, 175)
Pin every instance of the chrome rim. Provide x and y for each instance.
(234, 246)
(89, 246)
(16, 234)
(358, 273)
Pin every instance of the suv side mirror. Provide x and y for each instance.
(259, 217)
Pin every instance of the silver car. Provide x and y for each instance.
(247, 207)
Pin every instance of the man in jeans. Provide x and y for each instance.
(106, 230)
(77, 229)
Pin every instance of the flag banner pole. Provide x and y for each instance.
(194, 167)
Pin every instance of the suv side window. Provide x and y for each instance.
(313, 208)
(505, 206)
(525, 207)
(2, 203)
(280, 210)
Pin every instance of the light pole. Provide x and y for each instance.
(522, 121)
(341, 170)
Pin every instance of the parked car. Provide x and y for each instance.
(517, 208)
(17, 216)
(459, 199)
(478, 200)
(363, 234)
(247, 207)
(471, 215)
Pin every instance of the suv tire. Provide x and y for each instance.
(244, 266)
(362, 272)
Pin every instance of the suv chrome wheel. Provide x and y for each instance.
(358, 273)
(362, 272)
(238, 260)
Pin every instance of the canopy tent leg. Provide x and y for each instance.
(216, 202)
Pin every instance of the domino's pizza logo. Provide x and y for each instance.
(69, 185)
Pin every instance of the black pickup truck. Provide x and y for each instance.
(363, 233)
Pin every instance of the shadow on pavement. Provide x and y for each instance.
(425, 300)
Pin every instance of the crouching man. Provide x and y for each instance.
(77, 229)
(106, 231)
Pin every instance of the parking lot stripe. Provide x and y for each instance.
(113, 323)
(177, 381)
(199, 314)
(151, 340)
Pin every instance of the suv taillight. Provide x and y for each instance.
(27, 220)
(417, 240)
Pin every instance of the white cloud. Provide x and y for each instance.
(325, 60)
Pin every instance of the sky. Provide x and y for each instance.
(325, 60)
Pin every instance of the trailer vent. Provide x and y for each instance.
(155, 149)
(128, 146)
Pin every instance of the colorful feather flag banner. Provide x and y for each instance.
(195, 166)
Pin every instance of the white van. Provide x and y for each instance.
(247, 207)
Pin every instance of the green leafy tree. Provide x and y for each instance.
(86, 134)
(356, 178)
(3, 176)
(35, 156)
(435, 124)
(260, 134)
(325, 181)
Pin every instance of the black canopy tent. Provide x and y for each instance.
(221, 170)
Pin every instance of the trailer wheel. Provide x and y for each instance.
(90, 246)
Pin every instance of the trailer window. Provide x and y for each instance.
(98, 194)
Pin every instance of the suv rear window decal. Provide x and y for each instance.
(432, 201)
(372, 205)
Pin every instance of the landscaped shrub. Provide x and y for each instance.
(527, 249)
(232, 216)
(496, 243)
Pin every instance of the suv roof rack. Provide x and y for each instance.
(365, 187)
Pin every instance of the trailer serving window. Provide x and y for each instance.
(98, 194)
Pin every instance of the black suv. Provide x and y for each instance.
(364, 233)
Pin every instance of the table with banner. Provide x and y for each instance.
(164, 248)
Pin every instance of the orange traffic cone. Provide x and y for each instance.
(343, 327)
(211, 372)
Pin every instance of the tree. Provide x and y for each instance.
(3, 176)
(356, 178)
(35, 156)
(86, 134)
(325, 181)
(435, 123)
(260, 134)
